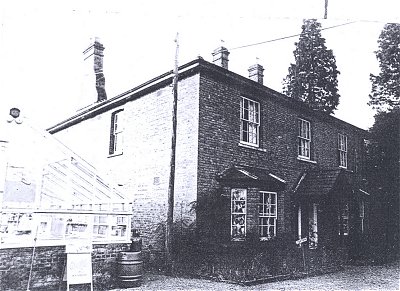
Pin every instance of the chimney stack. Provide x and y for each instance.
(256, 73)
(220, 57)
(93, 57)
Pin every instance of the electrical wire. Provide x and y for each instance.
(289, 36)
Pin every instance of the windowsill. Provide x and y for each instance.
(306, 160)
(115, 155)
(243, 145)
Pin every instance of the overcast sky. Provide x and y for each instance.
(41, 45)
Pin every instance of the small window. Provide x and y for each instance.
(304, 139)
(267, 215)
(344, 219)
(250, 121)
(116, 133)
(342, 147)
(362, 216)
(313, 226)
(238, 214)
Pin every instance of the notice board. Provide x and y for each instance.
(79, 263)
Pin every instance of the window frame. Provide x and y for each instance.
(116, 133)
(343, 150)
(58, 227)
(267, 215)
(238, 214)
(344, 218)
(313, 226)
(362, 216)
(255, 123)
(306, 139)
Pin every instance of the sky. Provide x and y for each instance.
(42, 44)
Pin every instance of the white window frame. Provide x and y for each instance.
(117, 133)
(313, 226)
(267, 214)
(344, 218)
(362, 215)
(250, 120)
(238, 214)
(304, 139)
(48, 228)
(342, 148)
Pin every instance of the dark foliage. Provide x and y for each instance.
(383, 170)
(385, 93)
(313, 77)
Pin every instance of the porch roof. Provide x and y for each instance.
(251, 176)
(321, 182)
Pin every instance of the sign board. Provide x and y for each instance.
(79, 262)
(79, 268)
(300, 241)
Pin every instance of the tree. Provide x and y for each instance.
(383, 176)
(313, 77)
(386, 86)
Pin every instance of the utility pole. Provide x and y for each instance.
(326, 9)
(171, 186)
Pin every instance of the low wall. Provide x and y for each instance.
(252, 262)
(48, 267)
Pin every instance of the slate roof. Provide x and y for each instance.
(252, 175)
(320, 182)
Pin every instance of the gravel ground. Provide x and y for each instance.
(384, 277)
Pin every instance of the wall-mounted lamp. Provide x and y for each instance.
(14, 115)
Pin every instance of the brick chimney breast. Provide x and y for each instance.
(256, 73)
(220, 57)
(94, 56)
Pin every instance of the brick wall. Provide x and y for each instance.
(48, 267)
(207, 144)
(219, 137)
(143, 168)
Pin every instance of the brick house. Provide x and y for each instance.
(253, 167)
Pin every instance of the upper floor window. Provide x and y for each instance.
(304, 139)
(250, 121)
(116, 133)
(342, 147)
(267, 215)
(238, 213)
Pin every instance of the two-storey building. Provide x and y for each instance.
(253, 167)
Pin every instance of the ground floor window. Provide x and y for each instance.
(362, 213)
(238, 213)
(344, 218)
(267, 215)
(313, 226)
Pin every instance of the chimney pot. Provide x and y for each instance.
(220, 57)
(256, 73)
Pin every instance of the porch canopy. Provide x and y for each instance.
(50, 195)
(239, 175)
(321, 183)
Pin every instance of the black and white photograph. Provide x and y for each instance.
(199, 145)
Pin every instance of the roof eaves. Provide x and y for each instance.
(122, 98)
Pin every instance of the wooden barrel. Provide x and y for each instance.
(129, 269)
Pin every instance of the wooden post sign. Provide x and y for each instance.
(300, 241)
(79, 263)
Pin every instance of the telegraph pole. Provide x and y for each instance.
(171, 186)
(326, 9)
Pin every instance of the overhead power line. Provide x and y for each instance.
(286, 37)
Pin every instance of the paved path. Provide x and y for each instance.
(352, 278)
